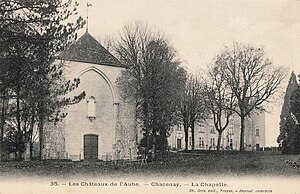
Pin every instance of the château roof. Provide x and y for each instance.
(88, 50)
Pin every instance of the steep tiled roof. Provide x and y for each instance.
(87, 49)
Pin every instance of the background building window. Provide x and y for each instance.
(91, 108)
(231, 144)
(201, 141)
(212, 142)
(212, 129)
(201, 130)
(230, 129)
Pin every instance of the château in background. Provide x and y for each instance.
(206, 136)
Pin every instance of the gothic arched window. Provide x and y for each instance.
(91, 108)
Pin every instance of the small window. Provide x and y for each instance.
(179, 127)
(257, 132)
(91, 108)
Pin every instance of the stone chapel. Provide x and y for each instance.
(101, 126)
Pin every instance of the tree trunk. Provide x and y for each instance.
(136, 127)
(147, 141)
(186, 136)
(242, 147)
(18, 117)
(146, 124)
(164, 137)
(219, 140)
(2, 129)
(155, 142)
(31, 150)
(30, 135)
(165, 143)
(41, 135)
(193, 134)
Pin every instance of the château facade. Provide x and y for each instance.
(206, 136)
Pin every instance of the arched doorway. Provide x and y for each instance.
(90, 147)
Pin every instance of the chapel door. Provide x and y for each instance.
(257, 147)
(179, 144)
(90, 147)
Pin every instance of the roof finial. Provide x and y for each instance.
(87, 16)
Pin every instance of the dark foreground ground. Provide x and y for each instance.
(201, 163)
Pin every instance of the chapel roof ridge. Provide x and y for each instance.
(88, 50)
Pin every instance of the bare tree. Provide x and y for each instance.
(192, 108)
(251, 77)
(108, 42)
(219, 98)
(198, 111)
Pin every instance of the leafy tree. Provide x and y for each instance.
(286, 109)
(293, 133)
(251, 77)
(33, 32)
(12, 143)
(164, 80)
(295, 104)
(130, 49)
(152, 80)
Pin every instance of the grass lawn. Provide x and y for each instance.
(198, 163)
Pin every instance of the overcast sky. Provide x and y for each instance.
(199, 29)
